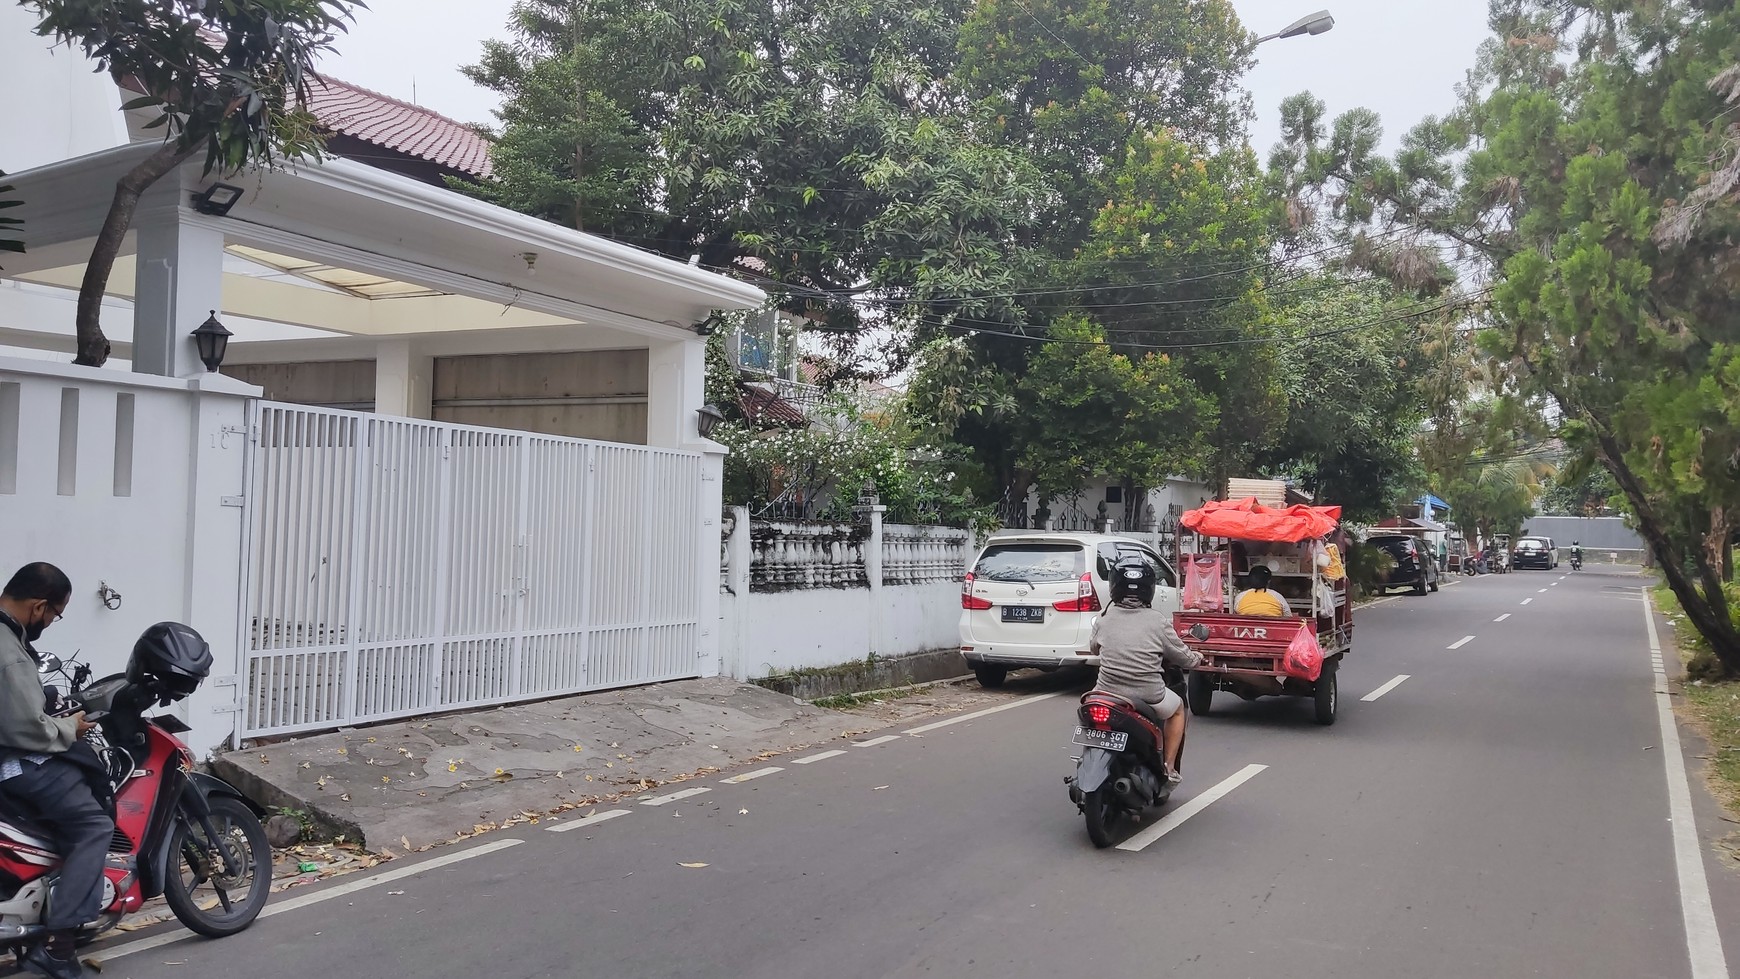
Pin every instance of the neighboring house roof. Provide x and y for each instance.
(397, 125)
(381, 120)
(763, 407)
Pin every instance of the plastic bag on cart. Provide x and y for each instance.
(1304, 657)
(1203, 591)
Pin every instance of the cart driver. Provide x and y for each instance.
(1260, 599)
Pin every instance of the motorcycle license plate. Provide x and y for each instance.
(1024, 613)
(1109, 740)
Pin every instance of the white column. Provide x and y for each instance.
(404, 379)
(214, 572)
(712, 509)
(180, 271)
(676, 387)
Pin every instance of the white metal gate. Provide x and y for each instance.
(399, 567)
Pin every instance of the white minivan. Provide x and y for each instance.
(1032, 597)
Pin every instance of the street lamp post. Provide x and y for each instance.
(1318, 23)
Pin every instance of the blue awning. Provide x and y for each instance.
(1433, 502)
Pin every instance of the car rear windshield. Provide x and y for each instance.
(1531, 545)
(1393, 544)
(1031, 562)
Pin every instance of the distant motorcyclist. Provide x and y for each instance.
(1135, 644)
(1576, 556)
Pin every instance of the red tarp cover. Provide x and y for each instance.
(1249, 520)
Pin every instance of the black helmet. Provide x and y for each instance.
(170, 660)
(1133, 578)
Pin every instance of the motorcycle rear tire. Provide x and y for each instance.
(230, 817)
(1102, 816)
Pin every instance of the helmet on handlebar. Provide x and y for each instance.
(170, 660)
(1133, 578)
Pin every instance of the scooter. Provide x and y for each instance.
(1120, 771)
(1576, 562)
(179, 833)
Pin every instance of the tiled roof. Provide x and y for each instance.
(762, 407)
(410, 129)
(387, 122)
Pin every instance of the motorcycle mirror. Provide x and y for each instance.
(1199, 632)
(49, 663)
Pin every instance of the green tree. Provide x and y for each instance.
(1105, 413)
(1354, 399)
(1576, 175)
(227, 80)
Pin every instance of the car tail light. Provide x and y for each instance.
(970, 600)
(1099, 714)
(1085, 600)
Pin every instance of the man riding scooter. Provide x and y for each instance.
(1135, 644)
(1576, 556)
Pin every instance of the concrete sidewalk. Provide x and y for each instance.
(429, 780)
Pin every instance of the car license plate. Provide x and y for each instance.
(1109, 740)
(1023, 613)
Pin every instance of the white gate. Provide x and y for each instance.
(400, 567)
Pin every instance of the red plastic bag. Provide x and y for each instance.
(1304, 657)
(1202, 584)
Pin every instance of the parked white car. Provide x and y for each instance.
(1032, 597)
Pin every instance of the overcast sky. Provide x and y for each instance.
(1399, 57)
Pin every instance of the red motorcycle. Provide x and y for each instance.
(179, 833)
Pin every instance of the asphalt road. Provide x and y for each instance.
(1501, 812)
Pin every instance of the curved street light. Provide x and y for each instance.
(1320, 22)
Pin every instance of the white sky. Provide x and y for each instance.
(1398, 57)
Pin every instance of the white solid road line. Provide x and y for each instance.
(674, 796)
(1502, 617)
(824, 756)
(1176, 817)
(593, 819)
(873, 742)
(748, 776)
(1386, 688)
(1458, 644)
(1527, 600)
(105, 955)
(1023, 702)
(1703, 940)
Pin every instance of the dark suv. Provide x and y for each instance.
(1416, 565)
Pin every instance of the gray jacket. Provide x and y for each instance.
(1134, 646)
(24, 728)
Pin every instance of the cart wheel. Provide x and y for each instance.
(1200, 690)
(991, 676)
(1325, 699)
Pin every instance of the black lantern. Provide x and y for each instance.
(213, 340)
(217, 199)
(708, 418)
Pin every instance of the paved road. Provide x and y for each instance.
(1502, 812)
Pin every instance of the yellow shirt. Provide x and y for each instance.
(1335, 571)
(1264, 602)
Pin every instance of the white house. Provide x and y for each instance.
(456, 544)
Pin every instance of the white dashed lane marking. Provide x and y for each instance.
(593, 819)
(1502, 617)
(1023, 702)
(1386, 688)
(823, 756)
(674, 796)
(1458, 644)
(873, 742)
(750, 776)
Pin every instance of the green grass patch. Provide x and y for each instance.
(846, 701)
(1714, 705)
